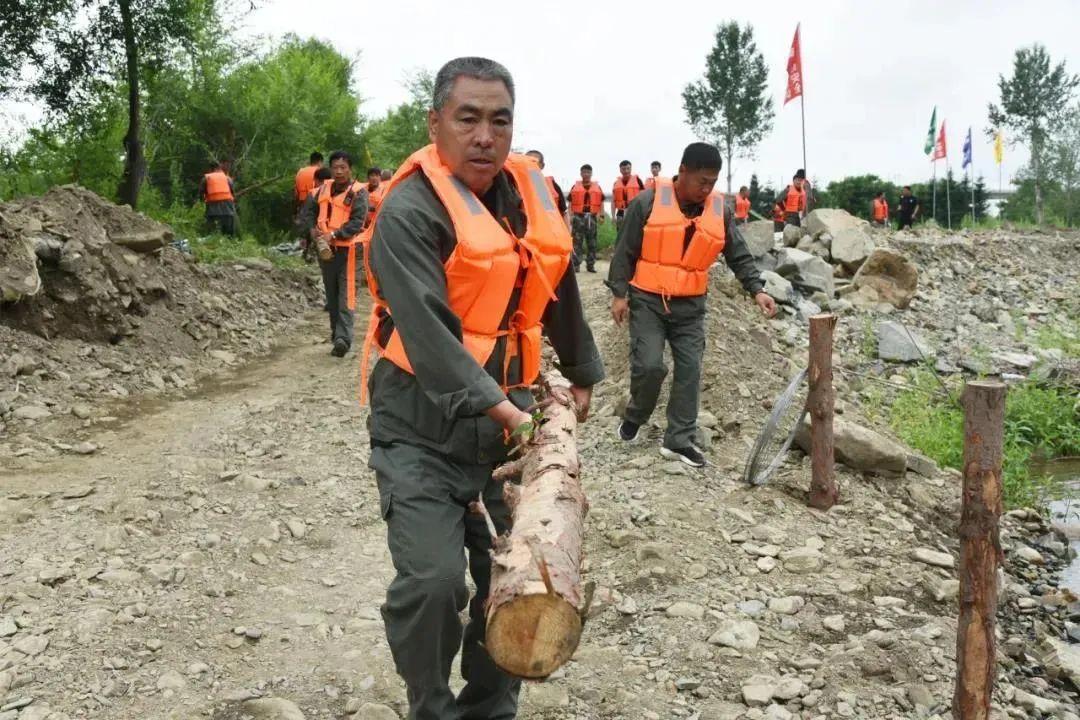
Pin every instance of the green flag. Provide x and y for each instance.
(929, 146)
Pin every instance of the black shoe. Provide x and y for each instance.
(628, 431)
(340, 348)
(591, 269)
(689, 455)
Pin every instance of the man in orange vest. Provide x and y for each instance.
(334, 218)
(627, 187)
(742, 206)
(375, 189)
(219, 196)
(464, 260)
(654, 168)
(586, 213)
(557, 195)
(879, 209)
(778, 216)
(659, 275)
(793, 199)
(304, 182)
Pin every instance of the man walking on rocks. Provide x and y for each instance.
(334, 218)
(467, 258)
(659, 275)
(908, 210)
(794, 201)
(586, 212)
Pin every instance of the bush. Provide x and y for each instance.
(1039, 422)
(605, 235)
(217, 248)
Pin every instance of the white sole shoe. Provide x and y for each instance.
(672, 455)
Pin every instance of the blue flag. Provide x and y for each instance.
(967, 151)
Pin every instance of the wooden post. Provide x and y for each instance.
(820, 401)
(980, 549)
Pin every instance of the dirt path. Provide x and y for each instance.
(227, 545)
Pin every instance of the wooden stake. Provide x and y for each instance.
(980, 549)
(820, 402)
(536, 603)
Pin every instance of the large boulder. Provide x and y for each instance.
(832, 221)
(860, 448)
(758, 236)
(890, 276)
(851, 247)
(898, 344)
(806, 271)
(792, 235)
(18, 264)
(777, 287)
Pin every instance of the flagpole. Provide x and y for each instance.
(948, 193)
(971, 182)
(935, 190)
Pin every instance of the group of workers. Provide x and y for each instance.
(908, 206)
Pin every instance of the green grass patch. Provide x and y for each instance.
(1039, 422)
(1062, 334)
(605, 234)
(217, 249)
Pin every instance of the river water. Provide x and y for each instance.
(1065, 513)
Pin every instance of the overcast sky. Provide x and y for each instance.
(597, 85)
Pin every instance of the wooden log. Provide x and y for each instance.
(820, 402)
(980, 549)
(536, 604)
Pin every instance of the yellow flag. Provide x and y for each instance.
(999, 148)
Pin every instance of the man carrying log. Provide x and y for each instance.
(659, 275)
(467, 269)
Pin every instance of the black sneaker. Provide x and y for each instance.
(628, 431)
(689, 455)
(340, 348)
(591, 269)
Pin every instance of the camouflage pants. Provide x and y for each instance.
(583, 228)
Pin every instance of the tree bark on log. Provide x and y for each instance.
(822, 398)
(535, 605)
(980, 549)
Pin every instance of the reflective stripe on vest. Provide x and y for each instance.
(551, 189)
(486, 266)
(217, 187)
(742, 207)
(670, 266)
(584, 200)
(623, 193)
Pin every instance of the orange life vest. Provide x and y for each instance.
(669, 266)
(334, 210)
(778, 212)
(487, 265)
(217, 187)
(742, 208)
(586, 200)
(304, 182)
(623, 193)
(795, 201)
(551, 189)
(881, 210)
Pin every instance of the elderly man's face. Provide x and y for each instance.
(473, 131)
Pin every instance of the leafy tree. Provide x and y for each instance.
(761, 198)
(855, 194)
(67, 48)
(730, 106)
(982, 205)
(1035, 99)
(403, 130)
(1063, 155)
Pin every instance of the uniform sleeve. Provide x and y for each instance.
(738, 258)
(406, 262)
(570, 336)
(561, 197)
(202, 188)
(308, 212)
(357, 215)
(627, 249)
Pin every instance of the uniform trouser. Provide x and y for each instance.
(583, 228)
(904, 221)
(792, 218)
(424, 498)
(778, 226)
(226, 224)
(650, 327)
(334, 275)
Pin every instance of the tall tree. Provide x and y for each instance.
(61, 51)
(1035, 99)
(730, 106)
(403, 130)
(982, 204)
(1063, 155)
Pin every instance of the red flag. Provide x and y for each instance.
(939, 146)
(794, 70)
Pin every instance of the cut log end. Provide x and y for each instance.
(533, 635)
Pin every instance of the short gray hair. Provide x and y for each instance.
(473, 67)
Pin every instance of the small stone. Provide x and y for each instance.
(920, 696)
(253, 633)
(1029, 555)
(85, 448)
(627, 606)
(548, 696)
(758, 690)
(272, 709)
(687, 683)
(7, 627)
(801, 560)
(77, 491)
(32, 412)
(834, 623)
(171, 680)
(738, 634)
(153, 644)
(259, 558)
(82, 412)
(254, 483)
(683, 609)
(209, 540)
(197, 668)
(297, 528)
(786, 605)
(884, 601)
(766, 564)
(778, 712)
(942, 589)
(933, 557)
(32, 645)
(372, 711)
(697, 571)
